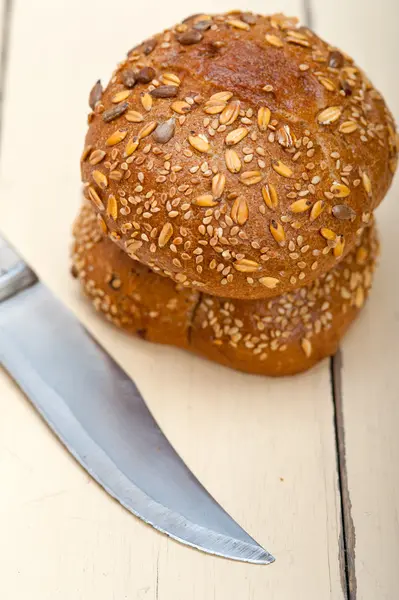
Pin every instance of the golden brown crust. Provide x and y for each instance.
(223, 217)
(128, 293)
(279, 336)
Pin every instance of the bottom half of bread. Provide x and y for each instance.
(283, 335)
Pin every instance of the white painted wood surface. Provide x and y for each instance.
(370, 385)
(264, 448)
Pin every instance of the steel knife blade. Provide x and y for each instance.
(100, 416)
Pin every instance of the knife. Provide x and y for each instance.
(100, 416)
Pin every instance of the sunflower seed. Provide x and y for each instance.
(129, 78)
(95, 94)
(343, 212)
(249, 18)
(345, 85)
(239, 211)
(335, 60)
(165, 91)
(145, 75)
(164, 132)
(233, 162)
(203, 25)
(115, 112)
(165, 235)
(149, 46)
(189, 37)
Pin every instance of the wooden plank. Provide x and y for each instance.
(264, 448)
(4, 26)
(370, 409)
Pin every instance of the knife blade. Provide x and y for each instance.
(98, 413)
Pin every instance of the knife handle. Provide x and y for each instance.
(15, 275)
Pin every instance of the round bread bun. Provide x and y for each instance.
(238, 154)
(127, 292)
(283, 335)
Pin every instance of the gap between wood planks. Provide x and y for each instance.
(5, 21)
(348, 536)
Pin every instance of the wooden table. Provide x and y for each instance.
(309, 469)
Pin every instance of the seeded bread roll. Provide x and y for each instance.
(279, 336)
(238, 154)
(128, 293)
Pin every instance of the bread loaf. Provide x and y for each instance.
(239, 155)
(278, 336)
(128, 293)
